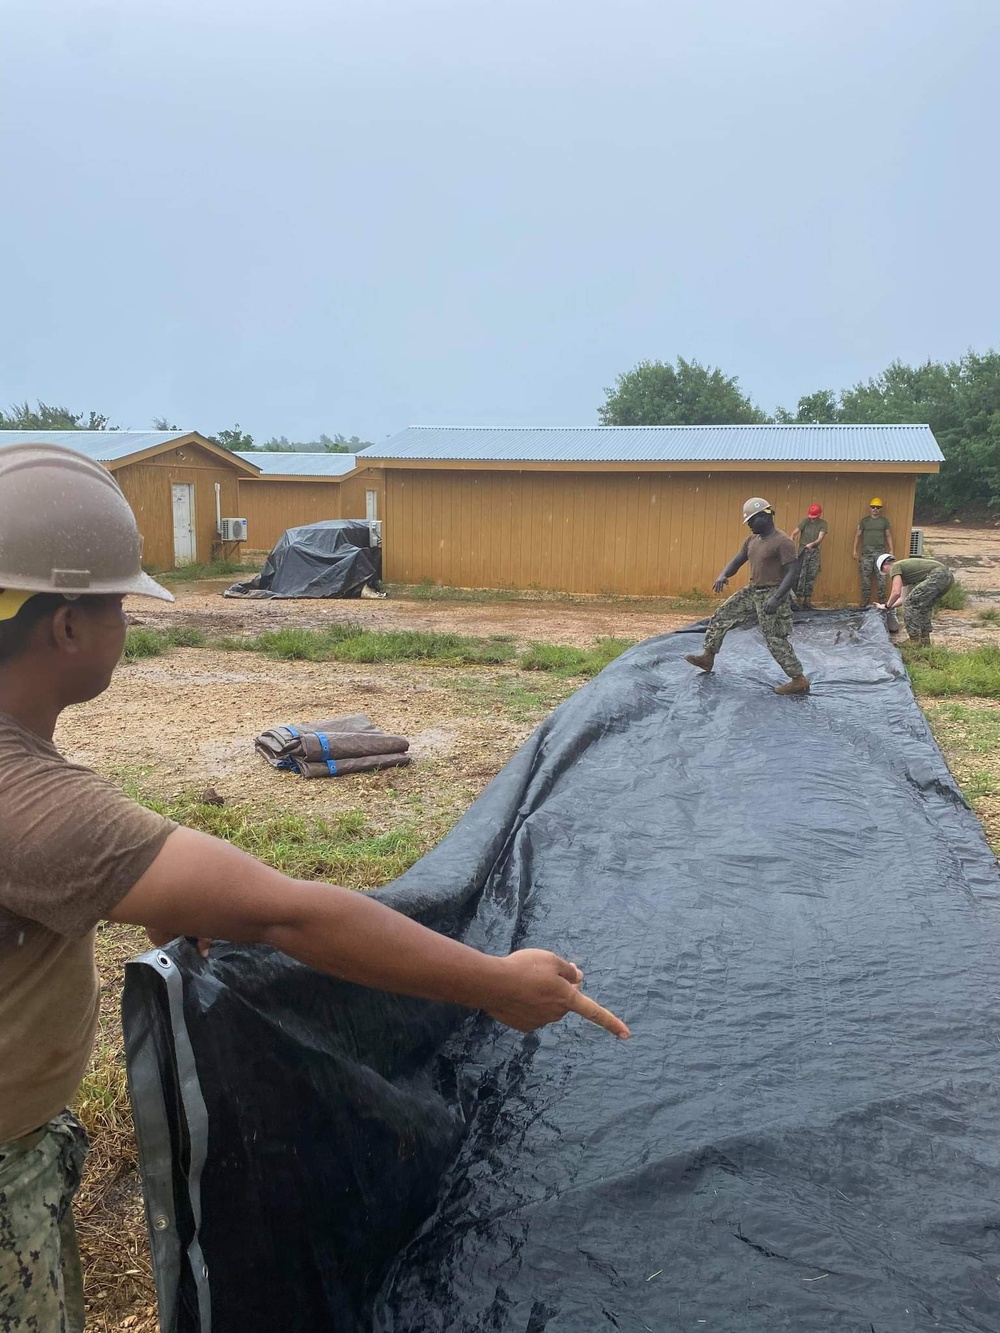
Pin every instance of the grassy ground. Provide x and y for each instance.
(960, 693)
(350, 642)
(216, 569)
(695, 601)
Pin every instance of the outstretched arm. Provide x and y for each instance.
(203, 886)
(737, 562)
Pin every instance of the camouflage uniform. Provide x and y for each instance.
(920, 601)
(808, 572)
(745, 608)
(41, 1285)
(867, 570)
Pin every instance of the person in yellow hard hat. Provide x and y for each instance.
(872, 539)
(75, 851)
(765, 601)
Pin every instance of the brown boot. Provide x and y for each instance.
(705, 660)
(800, 685)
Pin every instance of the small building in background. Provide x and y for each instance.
(179, 484)
(635, 510)
(290, 489)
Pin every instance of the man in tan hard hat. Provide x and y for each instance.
(74, 851)
(765, 601)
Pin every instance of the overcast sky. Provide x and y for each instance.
(352, 215)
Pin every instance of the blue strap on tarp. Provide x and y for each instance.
(325, 747)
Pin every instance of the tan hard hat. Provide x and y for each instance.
(755, 505)
(65, 526)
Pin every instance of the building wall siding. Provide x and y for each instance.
(270, 507)
(353, 491)
(637, 533)
(147, 487)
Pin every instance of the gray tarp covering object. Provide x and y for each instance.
(334, 558)
(792, 906)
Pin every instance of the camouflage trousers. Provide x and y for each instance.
(867, 571)
(920, 602)
(41, 1285)
(746, 608)
(808, 573)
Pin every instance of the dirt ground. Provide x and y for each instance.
(559, 620)
(973, 553)
(186, 721)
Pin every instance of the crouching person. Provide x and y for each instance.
(927, 581)
(765, 601)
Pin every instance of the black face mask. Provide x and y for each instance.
(760, 523)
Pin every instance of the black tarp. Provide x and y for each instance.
(334, 558)
(791, 905)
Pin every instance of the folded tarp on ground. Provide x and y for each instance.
(332, 748)
(334, 558)
(792, 906)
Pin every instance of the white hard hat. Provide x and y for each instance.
(882, 560)
(65, 527)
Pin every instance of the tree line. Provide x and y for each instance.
(959, 400)
(22, 416)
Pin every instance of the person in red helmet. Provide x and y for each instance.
(810, 534)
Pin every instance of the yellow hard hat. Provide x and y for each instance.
(875, 500)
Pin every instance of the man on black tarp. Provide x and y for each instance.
(74, 851)
(765, 601)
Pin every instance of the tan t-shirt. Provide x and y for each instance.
(767, 556)
(71, 847)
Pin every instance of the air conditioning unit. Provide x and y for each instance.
(916, 541)
(234, 529)
(375, 527)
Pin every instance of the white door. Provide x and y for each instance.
(371, 504)
(184, 547)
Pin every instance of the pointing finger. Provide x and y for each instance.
(587, 1008)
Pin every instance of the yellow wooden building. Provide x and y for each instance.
(636, 510)
(179, 484)
(295, 488)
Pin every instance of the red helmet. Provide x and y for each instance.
(815, 511)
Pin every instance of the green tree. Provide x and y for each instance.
(161, 423)
(656, 393)
(818, 408)
(329, 444)
(21, 416)
(234, 439)
(959, 400)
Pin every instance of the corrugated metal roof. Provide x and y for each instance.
(274, 462)
(662, 444)
(105, 446)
